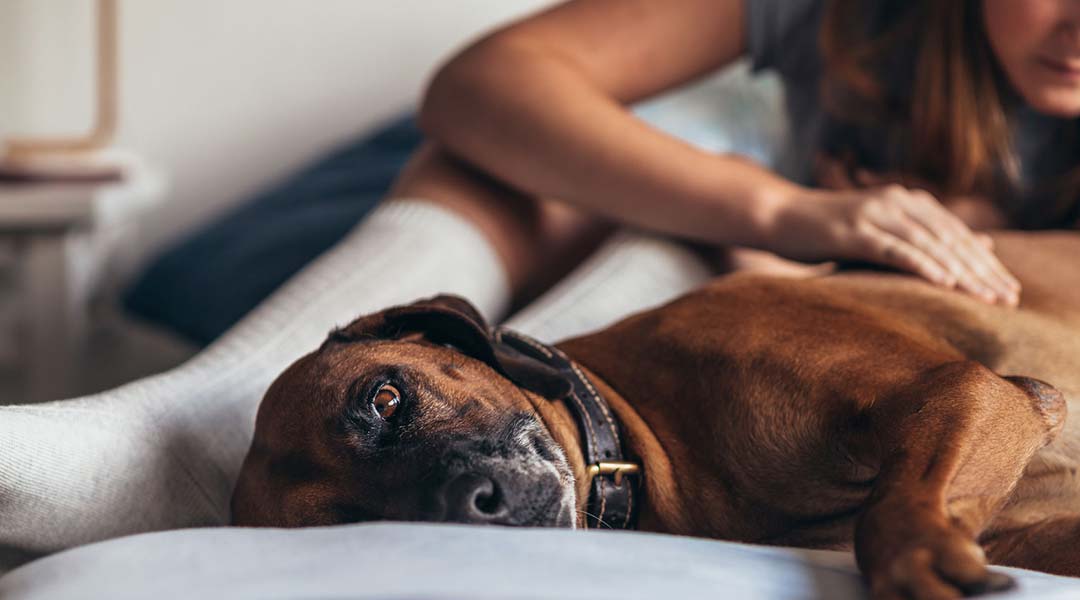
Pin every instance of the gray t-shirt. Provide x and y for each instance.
(782, 35)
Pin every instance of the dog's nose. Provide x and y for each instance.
(473, 498)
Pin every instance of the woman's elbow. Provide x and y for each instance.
(471, 83)
(454, 90)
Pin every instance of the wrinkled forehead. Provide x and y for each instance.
(312, 394)
(323, 380)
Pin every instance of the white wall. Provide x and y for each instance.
(229, 95)
(45, 66)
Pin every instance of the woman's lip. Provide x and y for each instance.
(1070, 70)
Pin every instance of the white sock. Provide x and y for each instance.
(629, 273)
(406, 249)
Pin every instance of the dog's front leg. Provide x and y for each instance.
(950, 449)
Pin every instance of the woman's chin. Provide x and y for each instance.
(1061, 100)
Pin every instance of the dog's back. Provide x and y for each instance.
(858, 328)
(1040, 339)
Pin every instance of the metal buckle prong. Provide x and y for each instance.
(618, 469)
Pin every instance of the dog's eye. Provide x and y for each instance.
(386, 400)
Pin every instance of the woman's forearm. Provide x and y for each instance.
(525, 115)
(541, 106)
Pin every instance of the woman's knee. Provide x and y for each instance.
(538, 239)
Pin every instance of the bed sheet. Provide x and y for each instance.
(424, 561)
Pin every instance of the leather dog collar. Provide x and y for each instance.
(612, 503)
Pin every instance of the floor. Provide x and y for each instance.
(117, 350)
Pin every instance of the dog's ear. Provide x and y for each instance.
(456, 305)
(442, 319)
(532, 374)
(453, 321)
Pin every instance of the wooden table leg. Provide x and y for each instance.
(54, 324)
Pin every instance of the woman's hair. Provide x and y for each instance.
(954, 114)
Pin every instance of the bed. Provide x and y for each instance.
(396, 560)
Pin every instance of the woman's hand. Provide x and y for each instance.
(892, 225)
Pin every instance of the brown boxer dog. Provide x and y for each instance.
(861, 410)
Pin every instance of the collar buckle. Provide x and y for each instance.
(617, 469)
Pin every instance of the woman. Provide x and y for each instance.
(900, 112)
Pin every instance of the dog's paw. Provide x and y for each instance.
(931, 562)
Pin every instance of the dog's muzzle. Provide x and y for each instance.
(507, 497)
(522, 480)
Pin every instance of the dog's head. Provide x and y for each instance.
(409, 414)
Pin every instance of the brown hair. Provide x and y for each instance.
(955, 118)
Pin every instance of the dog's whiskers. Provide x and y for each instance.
(589, 514)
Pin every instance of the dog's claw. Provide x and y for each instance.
(929, 559)
(994, 582)
(923, 573)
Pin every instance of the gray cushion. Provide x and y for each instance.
(449, 561)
